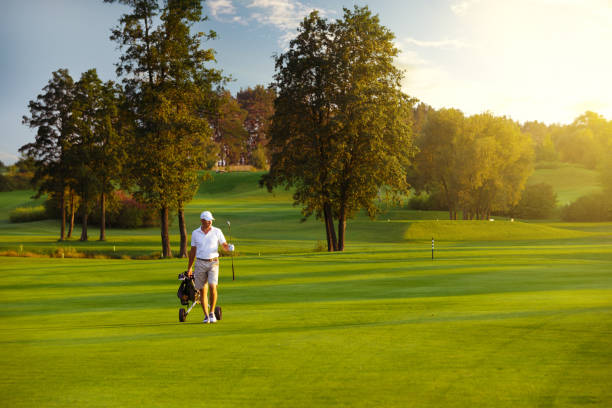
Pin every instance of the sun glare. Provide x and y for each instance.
(531, 60)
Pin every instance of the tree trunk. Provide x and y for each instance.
(71, 225)
(332, 243)
(63, 216)
(102, 216)
(341, 231)
(183, 231)
(84, 223)
(165, 238)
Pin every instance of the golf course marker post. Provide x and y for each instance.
(432, 248)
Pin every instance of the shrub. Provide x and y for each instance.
(27, 214)
(122, 211)
(433, 201)
(537, 202)
(590, 208)
(134, 214)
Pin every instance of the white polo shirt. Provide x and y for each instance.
(207, 245)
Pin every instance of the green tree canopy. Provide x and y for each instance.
(97, 154)
(341, 128)
(258, 102)
(168, 87)
(230, 132)
(50, 115)
(481, 163)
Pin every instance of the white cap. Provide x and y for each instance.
(206, 215)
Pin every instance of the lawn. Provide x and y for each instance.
(506, 315)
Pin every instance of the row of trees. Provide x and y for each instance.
(585, 141)
(452, 171)
(151, 135)
(76, 130)
(17, 176)
(479, 164)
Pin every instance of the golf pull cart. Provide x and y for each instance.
(186, 293)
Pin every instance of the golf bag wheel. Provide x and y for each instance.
(182, 315)
(218, 313)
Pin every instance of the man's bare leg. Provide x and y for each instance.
(204, 299)
(213, 297)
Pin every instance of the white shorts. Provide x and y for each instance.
(205, 271)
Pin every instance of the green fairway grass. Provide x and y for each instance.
(506, 315)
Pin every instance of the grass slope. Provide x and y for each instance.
(486, 231)
(568, 181)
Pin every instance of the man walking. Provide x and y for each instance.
(205, 252)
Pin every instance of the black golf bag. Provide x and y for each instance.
(186, 291)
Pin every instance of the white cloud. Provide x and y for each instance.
(219, 9)
(284, 15)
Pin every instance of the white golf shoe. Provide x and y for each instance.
(212, 318)
(206, 320)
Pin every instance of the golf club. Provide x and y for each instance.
(229, 227)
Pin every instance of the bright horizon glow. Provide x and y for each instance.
(544, 60)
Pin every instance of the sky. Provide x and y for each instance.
(544, 60)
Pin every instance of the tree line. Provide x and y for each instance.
(334, 126)
(151, 133)
(478, 165)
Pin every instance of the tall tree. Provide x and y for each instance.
(166, 81)
(111, 153)
(51, 115)
(341, 109)
(301, 143)
(504, 160)
(97, 153)
(230, 132)
(441, 153)
(373, 117)
(259, 105)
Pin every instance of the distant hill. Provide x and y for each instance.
(568, 180)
